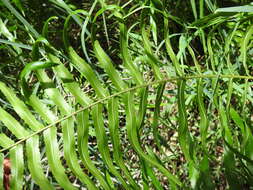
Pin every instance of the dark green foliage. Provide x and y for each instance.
(153, 94)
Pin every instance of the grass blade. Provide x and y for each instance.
(20, 18)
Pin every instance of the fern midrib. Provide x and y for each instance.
(125, 91)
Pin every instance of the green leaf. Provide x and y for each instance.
(12, 124)
(107, 64)
(242, 9)
(82, 140)
(34, 163)
(17, 168)
(21, 18)
(103, 143)
(132, 133)
(113, 119)
(1, 171)
(20, 108)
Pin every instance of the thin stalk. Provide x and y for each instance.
(123, 92)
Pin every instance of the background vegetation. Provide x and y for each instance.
(108, 94)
